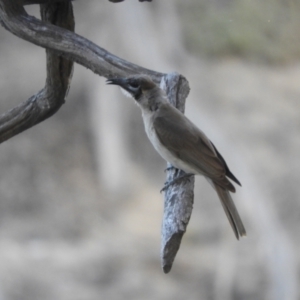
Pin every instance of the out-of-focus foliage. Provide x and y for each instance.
(253, 29)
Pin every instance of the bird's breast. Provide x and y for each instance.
(161, 149)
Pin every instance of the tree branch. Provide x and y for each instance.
(62, 42)
(46, 102)
(179, 197)
(66, 43)
(27, 2)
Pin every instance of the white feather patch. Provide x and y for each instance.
(125, 93)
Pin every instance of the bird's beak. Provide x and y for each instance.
(122, 83)
(116, 81)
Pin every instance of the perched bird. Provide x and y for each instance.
(181, 143)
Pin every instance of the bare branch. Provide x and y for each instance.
(27, 2)
(67, 43)
(62, 42)
(46, 102)
(179, 197)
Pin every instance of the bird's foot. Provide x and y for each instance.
(170, 168)
(176, 180)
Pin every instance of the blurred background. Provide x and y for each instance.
(80, 208)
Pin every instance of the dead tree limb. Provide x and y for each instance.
(179, 198)
(59, 70)
(27, 2)
(63, 43)
(66, 43)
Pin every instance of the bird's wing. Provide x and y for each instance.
(228, 172)
(188, 143)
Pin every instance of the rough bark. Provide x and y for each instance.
(66, 43)
(179, 197)
(47, 101)
(27, 2)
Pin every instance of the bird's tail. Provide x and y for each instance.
(231, 211)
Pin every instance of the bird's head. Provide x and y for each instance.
(135, 85)
(145, 92)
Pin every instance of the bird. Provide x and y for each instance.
(182, 143)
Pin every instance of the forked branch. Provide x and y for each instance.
(59, 70)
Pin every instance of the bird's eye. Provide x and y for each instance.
(134, 85)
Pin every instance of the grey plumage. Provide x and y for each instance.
(181, 143)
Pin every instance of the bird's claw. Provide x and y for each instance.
(170, 168)
(165, 187)
(175, 180)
